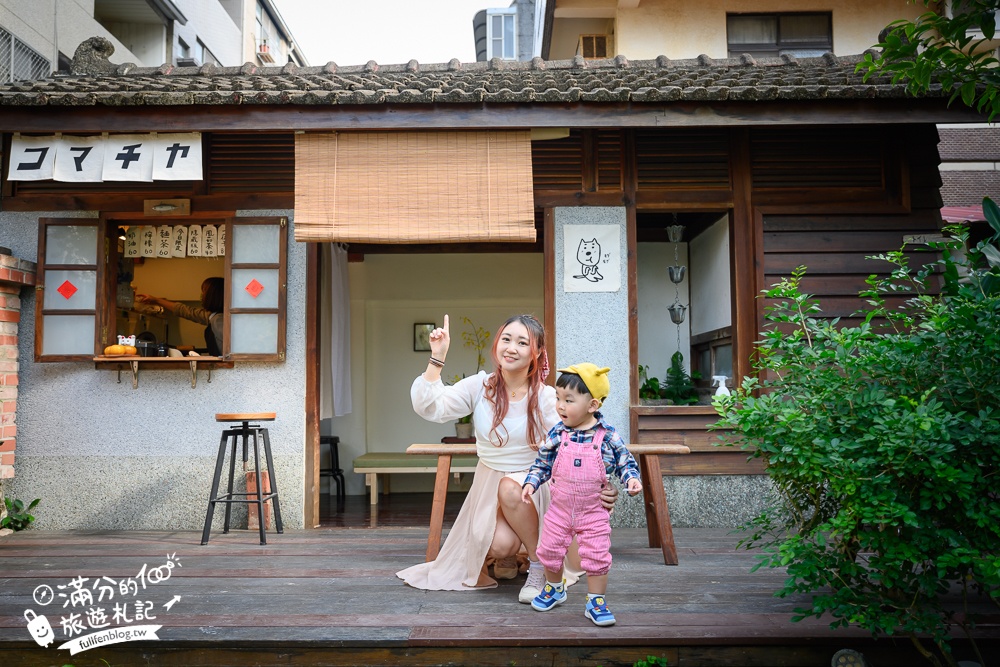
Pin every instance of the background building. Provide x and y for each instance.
(37, 38)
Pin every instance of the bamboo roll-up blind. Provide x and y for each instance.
(414, 187)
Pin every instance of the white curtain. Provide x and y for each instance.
(335, 333)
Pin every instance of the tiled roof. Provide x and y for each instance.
(537, 81)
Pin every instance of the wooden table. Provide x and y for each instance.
(658, 526)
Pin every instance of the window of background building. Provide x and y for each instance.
(801, 34)
(592, 46)
(18, 61)
(501, 36)
(203, 54)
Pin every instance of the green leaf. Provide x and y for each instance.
(992, 214)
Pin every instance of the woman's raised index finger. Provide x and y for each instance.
(445, 325)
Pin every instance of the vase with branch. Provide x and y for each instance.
(478, 339)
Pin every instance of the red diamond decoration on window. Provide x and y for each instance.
(67, 289)
(254, 288)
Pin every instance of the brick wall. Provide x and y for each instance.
(15, 275)
(967, 188)
(969, 145)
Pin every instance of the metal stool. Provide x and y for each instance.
(234, 436)
(334, 471)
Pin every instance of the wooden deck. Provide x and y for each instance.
(330, 597)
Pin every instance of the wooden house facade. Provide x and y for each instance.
(789, 162)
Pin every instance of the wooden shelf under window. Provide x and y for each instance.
(132, 364)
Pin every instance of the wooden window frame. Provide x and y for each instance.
(107, 273)
(100, 303)
(581, 46)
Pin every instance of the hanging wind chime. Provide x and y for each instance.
(677, 310)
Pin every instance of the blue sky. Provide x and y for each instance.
(389, 32)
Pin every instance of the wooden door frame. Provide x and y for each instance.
(311, 376)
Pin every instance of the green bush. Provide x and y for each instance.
(883, 444)
(18, 516)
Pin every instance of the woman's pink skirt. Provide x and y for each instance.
(459, 565)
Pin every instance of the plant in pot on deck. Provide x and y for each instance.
(678, 387)
(474, 338)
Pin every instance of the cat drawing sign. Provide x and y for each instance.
(591, 254)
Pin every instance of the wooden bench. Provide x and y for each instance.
(374, 464)
(658, 527)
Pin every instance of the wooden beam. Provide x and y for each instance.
(746, 255)
(232, 118)
(132, 202)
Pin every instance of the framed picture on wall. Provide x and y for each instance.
(422, 336)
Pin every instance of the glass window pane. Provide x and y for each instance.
(255, 243)
(705, 362)
(71, 244)
(81, 286)
(805, 28)
(724, 360)
(253, 334)
(752, 29)
(68, 334)
(267, 298)
(508, 37)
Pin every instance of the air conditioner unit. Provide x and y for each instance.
(187, 62)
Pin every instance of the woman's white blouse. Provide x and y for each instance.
(437, 402)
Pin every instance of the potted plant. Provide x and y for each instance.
(679, 387)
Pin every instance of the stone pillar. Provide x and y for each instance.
(15, 274)
(593, 326)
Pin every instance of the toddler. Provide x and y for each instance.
(578, 454)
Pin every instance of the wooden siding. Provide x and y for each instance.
(836, 248)
(242, 170)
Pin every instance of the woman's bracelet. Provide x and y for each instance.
(436, 362)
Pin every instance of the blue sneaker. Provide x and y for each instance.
(597, 611)
(549, 597)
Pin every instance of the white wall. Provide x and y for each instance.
(711, 287)
(389, 293)
(657, 332)
(147, 41)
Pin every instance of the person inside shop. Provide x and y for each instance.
(213, 298)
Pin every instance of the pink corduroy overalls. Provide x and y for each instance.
(578, 476)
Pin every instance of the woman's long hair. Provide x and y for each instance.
(496, 387)
(214, 297)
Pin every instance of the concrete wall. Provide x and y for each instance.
(60, 27)
(213, 25)
(687, 29)
(102, 455)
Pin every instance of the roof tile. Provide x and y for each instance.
(537, 81)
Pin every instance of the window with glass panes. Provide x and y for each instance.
(501, 35)
(801, 35)
(87, 280)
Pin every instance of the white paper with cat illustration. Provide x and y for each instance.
(592, 256)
